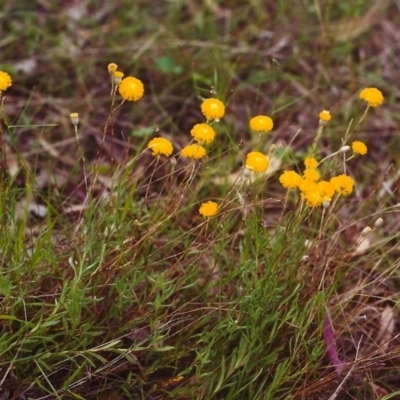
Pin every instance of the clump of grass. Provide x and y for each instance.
(159, 284)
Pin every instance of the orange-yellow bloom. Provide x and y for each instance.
(160, 146)
(325, 116)
(311, 174)
(290, 179)
(5, 81)
(311, 193)
(327, 190)
(313, 198)
(261, 123)
(372, 96)
(343, 184)
(203, 133)
(359, 148)
(130, 88)
(193, 151)
(256, 161)
(311, 162)
(213, 108)
(208, 209)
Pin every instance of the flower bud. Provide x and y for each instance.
(378, 222)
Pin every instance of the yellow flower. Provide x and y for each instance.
(372, 96)
(359, 148)
(213, 108)
(131, 88)
(312, 193)
(208, 209)
(327, 190)
(311, 162)
(343, 184)
(203, 133)
(160, 146)
(256, 161)
(112, 67)
(117, 77)
(313, 198)
(311, 174)
(261, 123)
(307, 186)
(5, 81)
(290, 179)
(325, 116)
(74, 119)
(193, 151)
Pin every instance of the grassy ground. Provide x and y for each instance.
(112, 285)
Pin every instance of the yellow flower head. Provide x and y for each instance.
(311, 174)
(343, 184)
(203, 133)
(5, 81)
(325, 116)
(159, 146)
(117, 77)
(256, 161)
(311, 193)
(327, 190)
(112, 67)
(208, 209)
(314, 198)
(193, 151)
(372, 96)
(74, 119)
(290, 179)
(306, 186)
(213, 108)
(130, 88)
(261, 123)
(359, 148)
(311, 162)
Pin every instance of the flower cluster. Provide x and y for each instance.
(314, 191)
(130, 88)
